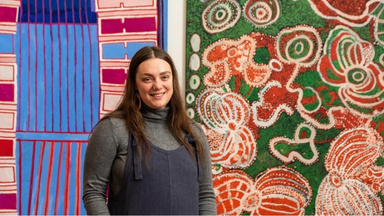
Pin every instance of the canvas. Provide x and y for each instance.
(291, 97)
(63, 65)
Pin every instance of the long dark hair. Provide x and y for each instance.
(128, 109)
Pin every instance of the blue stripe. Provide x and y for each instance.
(79, 80)
(60, 209)
(71, 78)
(95, 75)
(52, 136)
(72, 180)
(26, 165)
(32, 74)
(44, 177)
(40, 80)
(35, 186)
(48, 74)
(64, 79)
(6, 41)
(113, 51)
(55, 168)
(58, 11)
(23, 77)
(83, 149)
(165, 24)
(87, 79)
(56, 81)
(133, 47)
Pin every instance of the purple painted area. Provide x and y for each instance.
(114, 76)
(7, 92)
(8, 14)
(140, 24)
(7, 201)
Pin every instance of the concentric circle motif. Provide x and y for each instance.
(381, 59)
(261, 13)
(191, 112)
(195, 42)
(190, 98)
(300, 45)
(194, 82)
(194, 62)
(221, 15)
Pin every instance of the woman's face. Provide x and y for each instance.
(154, 82)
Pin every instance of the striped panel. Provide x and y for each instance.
(49, 177)
(58, 79)
(57, 11)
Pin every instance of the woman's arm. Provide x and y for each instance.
(100, 154)
(207, 198)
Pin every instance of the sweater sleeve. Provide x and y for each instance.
(207, 198)
(99, 157)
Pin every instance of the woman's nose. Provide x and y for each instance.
(157, 85)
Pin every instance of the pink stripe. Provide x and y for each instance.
(31, 177)
(58, 180)
(47, 192)
(39, 177)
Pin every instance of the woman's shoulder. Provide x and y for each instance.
(111, 123)
(197, 127)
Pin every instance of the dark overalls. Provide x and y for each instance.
(169, 185)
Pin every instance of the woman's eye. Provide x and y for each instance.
(165, 77)
(146, 79)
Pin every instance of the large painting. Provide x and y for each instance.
(291, 97)
(62, 66)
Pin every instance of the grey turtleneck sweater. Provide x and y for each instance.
(106, 154)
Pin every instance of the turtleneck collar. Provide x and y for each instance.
(150, 114)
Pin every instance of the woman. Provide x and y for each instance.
(148, 154)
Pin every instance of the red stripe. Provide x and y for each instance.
(58, 180)
(47, 192)
(39, 177)
(31, 177)
(78, 177)
(67, 179)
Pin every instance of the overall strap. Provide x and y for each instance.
(191, 140)
(136, 159)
